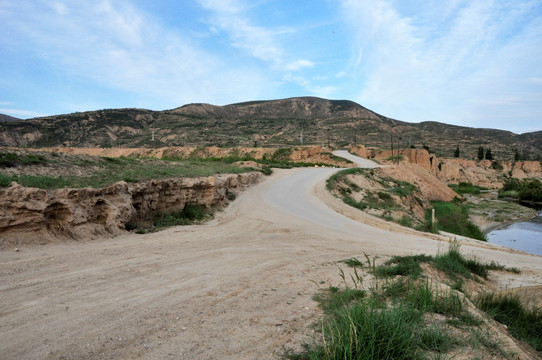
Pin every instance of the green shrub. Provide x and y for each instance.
(495, 165)
(266, 170)
(8, 159)
(454, 218)
(523, 190)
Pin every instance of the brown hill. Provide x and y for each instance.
(6, 118)
(286, 122)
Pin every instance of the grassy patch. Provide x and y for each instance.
(403, 265)
(522, 323)
(401, 317)
(467, 188)
(454, 218)
(106, 171)
(34, 181)
(453, 263)
(353, 262)
(333, 179)
(12, 159)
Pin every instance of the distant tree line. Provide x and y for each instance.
(484, 154)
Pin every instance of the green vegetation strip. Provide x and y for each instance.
(401, 317)
(529, 190)
(467, 188)
(106, 171)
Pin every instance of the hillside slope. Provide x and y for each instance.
(284, 122)
(6, 118)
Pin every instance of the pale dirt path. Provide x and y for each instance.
(361, 162)
(237, 288)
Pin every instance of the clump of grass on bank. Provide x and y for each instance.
(467, 188)
(453, 217)
(333, 179)
(452, 263)
(524, 324)
(399, 317)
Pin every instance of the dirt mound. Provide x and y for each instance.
(401, 193)
(430, 187)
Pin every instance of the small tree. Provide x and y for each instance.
(456, 152)
(489, 156)
(481, 153)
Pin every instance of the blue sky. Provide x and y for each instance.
(474, 63)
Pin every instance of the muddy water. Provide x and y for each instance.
(525, 235)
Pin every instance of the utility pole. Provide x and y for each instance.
(355, 136)
(152, 136)
(391, 145)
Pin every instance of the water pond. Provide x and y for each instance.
(525, 235)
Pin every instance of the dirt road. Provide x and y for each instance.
(237, 288)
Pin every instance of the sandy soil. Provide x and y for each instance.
(237, 288)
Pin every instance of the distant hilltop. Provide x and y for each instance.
(6, 118)
(276, 123)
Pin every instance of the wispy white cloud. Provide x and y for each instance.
(299, 64)
(20, 113)
(119, 46)
(229, 16)
(443, 62)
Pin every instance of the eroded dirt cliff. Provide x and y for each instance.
(30, 215)
(486, 173)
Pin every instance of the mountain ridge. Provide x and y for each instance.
(280, 122)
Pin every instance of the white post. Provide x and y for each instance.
(433, 216)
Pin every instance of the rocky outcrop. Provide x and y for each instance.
(430, 187)
(30, 214)
(420, 157)
(360, 151)
(486, 173)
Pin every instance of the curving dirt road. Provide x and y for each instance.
(239, 287)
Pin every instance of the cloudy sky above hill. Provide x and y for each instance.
(473, 63)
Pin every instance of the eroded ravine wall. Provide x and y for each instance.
(30, 215)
